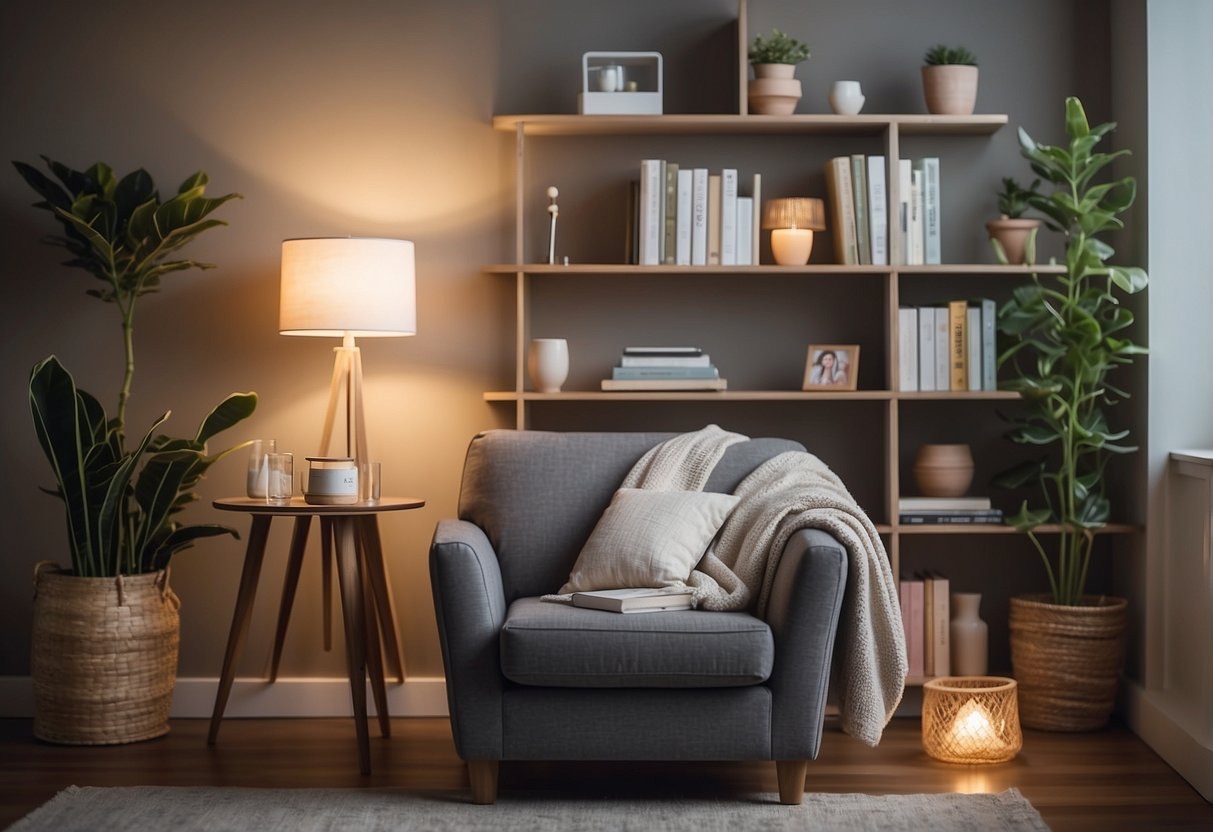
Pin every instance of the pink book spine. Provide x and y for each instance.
(914, 643)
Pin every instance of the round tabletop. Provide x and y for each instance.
(257, 505)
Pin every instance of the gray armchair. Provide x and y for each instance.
(532, 680)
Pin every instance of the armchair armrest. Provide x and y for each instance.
(469, 603)
(803, 610)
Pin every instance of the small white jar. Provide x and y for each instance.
(846, 98)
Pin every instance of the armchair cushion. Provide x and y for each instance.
(649, 539)
(557, 645)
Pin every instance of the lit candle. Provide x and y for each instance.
(973, 729)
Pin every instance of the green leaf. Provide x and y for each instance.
(1129, 279)
(1027, 519)
(1076, 119)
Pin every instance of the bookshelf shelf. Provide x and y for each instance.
(576, 269)
(729, 124)
(1000, 528)
(689, 396)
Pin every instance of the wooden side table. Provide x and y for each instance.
(365, 603)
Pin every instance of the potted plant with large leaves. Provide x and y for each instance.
(1068, 334)
(105, 631)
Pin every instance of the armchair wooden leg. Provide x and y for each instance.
(483, 776)
(791, 780)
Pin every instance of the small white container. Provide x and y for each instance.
(331, 481)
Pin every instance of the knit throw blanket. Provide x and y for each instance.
(789, 492)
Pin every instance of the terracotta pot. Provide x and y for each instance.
(773, 96)
(943, 470)
(950, 89)
(1013, 236)
(1067, 660)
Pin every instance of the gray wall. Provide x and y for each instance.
(373, 118)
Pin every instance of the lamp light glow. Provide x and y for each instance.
(792, 221)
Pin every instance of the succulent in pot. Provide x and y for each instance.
(774, 90)
(949, 80)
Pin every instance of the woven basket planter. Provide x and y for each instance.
(1067, 660)
(104, 657)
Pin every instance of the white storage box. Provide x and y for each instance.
(620, 83)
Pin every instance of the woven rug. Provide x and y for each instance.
(141, 808)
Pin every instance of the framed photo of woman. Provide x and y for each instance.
(831, 367)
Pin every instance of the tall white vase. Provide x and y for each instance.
(970, 636)
(548, 363)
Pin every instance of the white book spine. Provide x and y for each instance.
(973, 358)
(878, 212)
(943, 352)
(745, 231)
(651, 193)
(699, 216)
(756, 219)
(915, 258)
(728, 217)
(926, 348)
(907, 348)
(903, 208)
(682, 255)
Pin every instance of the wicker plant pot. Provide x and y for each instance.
(1067, 660)
(104, 657)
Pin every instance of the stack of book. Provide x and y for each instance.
(923, 510)
(949, 346)
(926, 618)
(681, 216)
(859, 207)
(665, 368)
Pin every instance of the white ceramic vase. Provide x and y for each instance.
(846, 98)
(970, 636)
(548, 363)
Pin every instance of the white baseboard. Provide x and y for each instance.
(1149, 717)
(299, 697)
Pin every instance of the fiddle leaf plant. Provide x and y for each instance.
(1067, 334)
(121, 505)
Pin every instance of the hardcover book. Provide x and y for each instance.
(636, 600)
(842, 210)
(944, 504)
(878, 217)
(611, 385)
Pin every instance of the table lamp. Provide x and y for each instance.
(792, 221)
(347, 287)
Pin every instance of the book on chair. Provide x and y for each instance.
(645, 599)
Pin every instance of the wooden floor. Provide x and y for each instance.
(1104, 781)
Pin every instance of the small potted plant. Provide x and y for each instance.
(949, 80)
(1013, 235)
(774, 90)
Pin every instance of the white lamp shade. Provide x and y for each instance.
(360, 286)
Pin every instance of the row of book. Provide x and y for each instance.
(926, 620)
(948, 346)
(946, 510)
(664, 368)
(682, 216)
(859, 208)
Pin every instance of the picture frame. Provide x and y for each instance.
(831, 367)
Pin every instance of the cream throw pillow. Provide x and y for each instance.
(649, 538)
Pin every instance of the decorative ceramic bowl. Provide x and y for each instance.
(943, 470)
